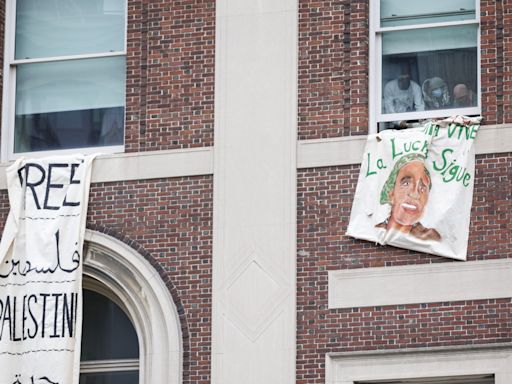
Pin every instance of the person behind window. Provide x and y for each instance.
(111, 132)
(463, 96)
(403, 94)
(435, 93)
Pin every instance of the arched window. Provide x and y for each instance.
(110, 346)
(125, 291)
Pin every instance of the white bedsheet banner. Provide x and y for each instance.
(41, 270)
(415, 188)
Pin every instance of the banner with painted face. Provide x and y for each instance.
(415, 188)
(41, 270)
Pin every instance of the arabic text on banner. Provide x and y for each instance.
(41, 270)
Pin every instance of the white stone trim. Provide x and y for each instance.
(349, 150)
(147, 301)
(109, 365)
(254, 207)
(146, 165)
(349, 368)
(330, 152)
(199, 161)
(424, 283)
(151, 165)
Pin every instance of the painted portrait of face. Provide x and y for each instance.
(407, 190)
(409, 195)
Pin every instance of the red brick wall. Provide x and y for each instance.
(393, 327)
(324, 203)
(333, 68)
(169, 221)
(496, 45)
(170, 74)
(170, 101)
(507, 58)
(492, 61)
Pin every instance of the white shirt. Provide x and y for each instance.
(397, 100)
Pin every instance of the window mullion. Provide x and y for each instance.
(374, 104)
(379, 86)
(9, 80)
(429, 15)
(427, 114)
(68, 58)
(109, 366)
(426, 26)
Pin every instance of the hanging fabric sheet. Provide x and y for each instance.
(415, 188)
(41, 270)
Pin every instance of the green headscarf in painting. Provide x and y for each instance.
(390, 182)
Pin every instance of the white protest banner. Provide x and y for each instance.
(41, 270)
(415, 188)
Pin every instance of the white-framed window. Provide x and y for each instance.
(424, 60)
(471, 364)
(64, 82)
(117, 278)
(478, 379)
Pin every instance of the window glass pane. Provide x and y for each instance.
(429, 39)
(406, 12)
(110, 378)
(420, 72)
(68, 27)
(107, 333)
(480, 379)
(69, 104)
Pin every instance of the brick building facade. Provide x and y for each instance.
(194, 121)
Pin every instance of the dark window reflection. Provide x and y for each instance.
(110, 378)
(107, 333)
(69, 129)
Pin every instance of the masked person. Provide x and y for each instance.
(435, 93)
(406, 190)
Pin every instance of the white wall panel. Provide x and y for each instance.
(425, 283)
(254, 230)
